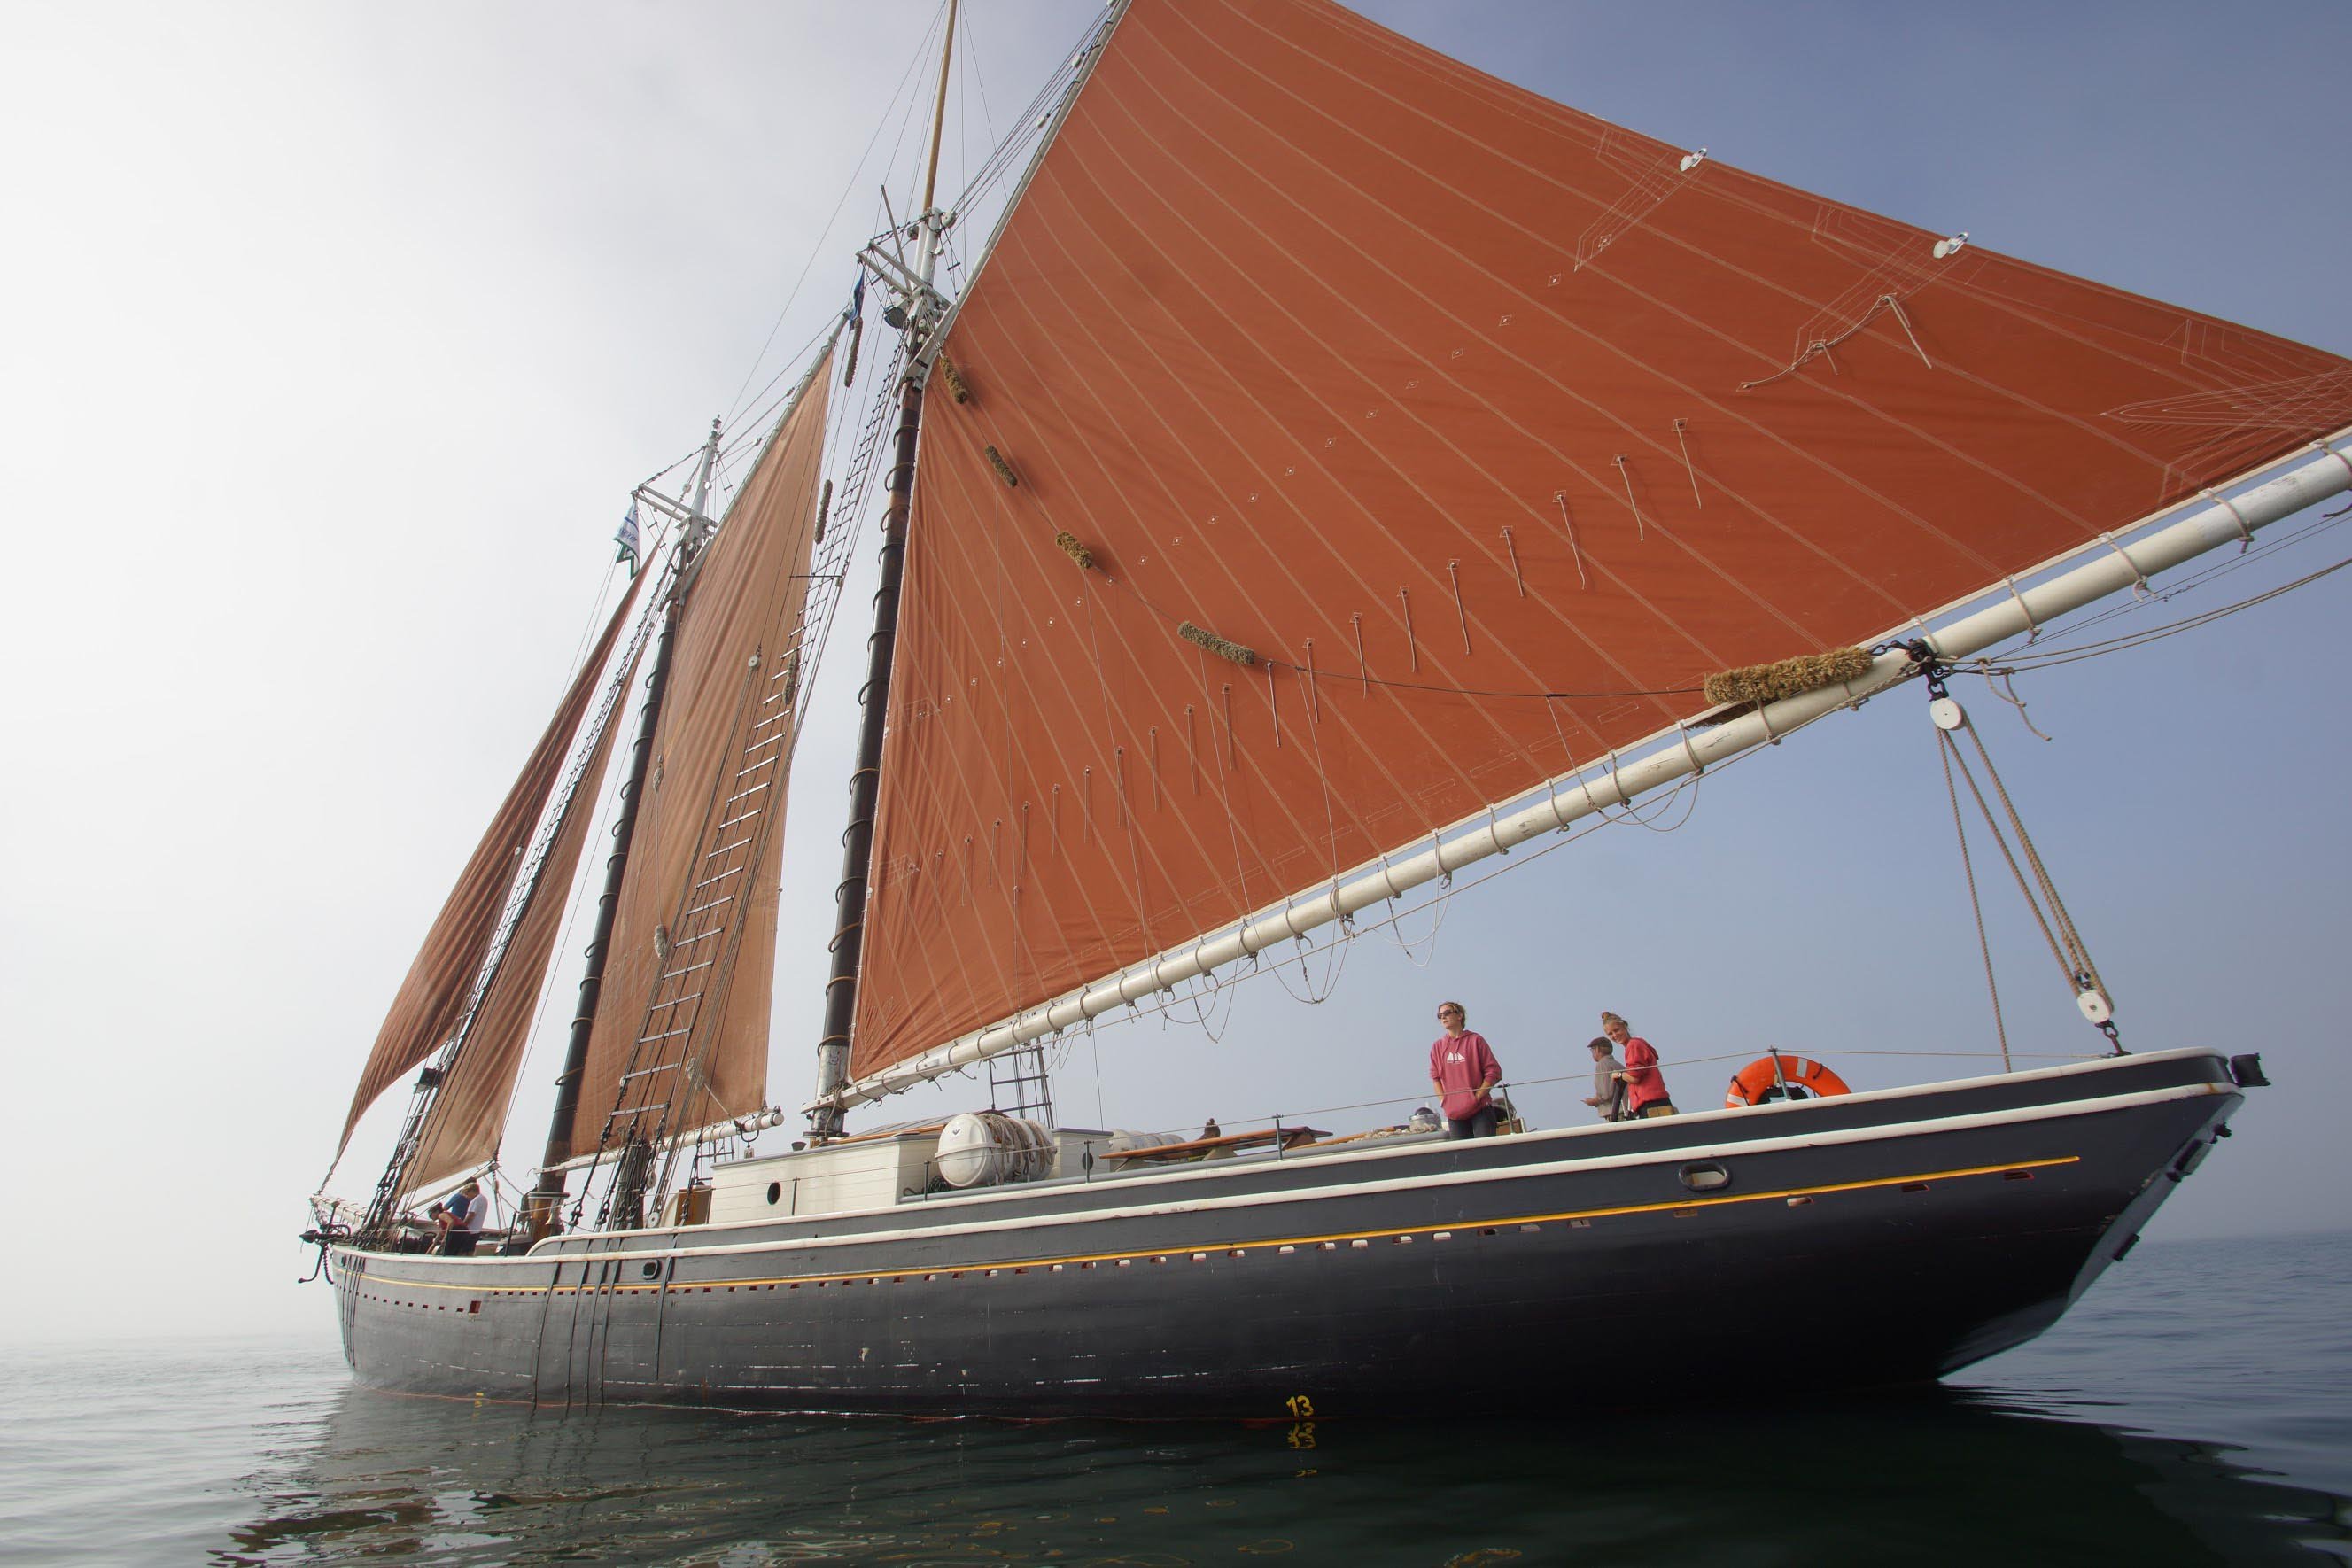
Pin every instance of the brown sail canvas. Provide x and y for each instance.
(432, 998)
(469, 1113)
(745, 602)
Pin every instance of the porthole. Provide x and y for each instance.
(650, 1270)
(775, 1192)
(1704, 1176)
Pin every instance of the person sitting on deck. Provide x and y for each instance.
(1645, 1085)
(1608, 1096)
(1462, 1069)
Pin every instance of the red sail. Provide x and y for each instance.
(431, 1000)
(746, 599)
(1439, 397)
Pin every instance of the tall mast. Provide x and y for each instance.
(881, 648)
(544, 1201)
(939, 123)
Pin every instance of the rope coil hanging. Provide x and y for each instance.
(1201, 637)
(1756, 684)
(957, 389)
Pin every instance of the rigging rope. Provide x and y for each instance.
(2046, 658)
(2041, 893)
(824, 235)
(1976, 903)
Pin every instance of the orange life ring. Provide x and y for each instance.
(1751, 1084)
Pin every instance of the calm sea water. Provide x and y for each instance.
(2196, 1408)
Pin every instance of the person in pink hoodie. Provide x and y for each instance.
(1462, 1069)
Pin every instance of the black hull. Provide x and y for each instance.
(1878, 1239)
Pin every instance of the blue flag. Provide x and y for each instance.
(627, 538)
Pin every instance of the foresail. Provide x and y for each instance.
(1350, 441)
(688, 973)
(432, 999)
(468, 1114)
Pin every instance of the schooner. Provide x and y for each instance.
(1342, 468)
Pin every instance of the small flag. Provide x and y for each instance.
(627, 538)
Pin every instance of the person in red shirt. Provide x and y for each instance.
(1461, 1069)
(1645, 1085)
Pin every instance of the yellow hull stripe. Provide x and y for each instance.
(1023, 1264)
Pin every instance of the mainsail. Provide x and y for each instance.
(717, 781)
(1354, 441)
(432, 999)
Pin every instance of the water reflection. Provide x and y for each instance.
(1943, 1476)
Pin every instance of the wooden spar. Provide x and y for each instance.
(939, 123)
(2114, 562)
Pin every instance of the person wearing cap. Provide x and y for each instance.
(1462, 1071)
(1608, 1081)
(1645, 1085)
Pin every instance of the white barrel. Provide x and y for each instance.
(1124, 1143)
(981, 1147)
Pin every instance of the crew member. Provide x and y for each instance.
(1607, 1084)
(1462, 1071)
(1645, 1085)
(461, 1219)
